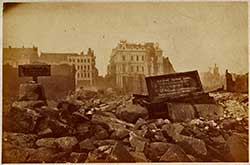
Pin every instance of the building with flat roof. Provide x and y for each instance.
(19, 56)
(131, 62)
(85, 69)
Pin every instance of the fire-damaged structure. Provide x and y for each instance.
(236, 82)
(176, 96)
(105, 126)
(131, 62)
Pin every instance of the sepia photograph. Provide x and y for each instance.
(125, 82)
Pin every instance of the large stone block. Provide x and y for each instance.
(66, 143)
(236, 148)
(87, 145)
(120, 154)
(21, 120)
(132, 112)
(47, 142)
(20, 139)
(137, 142)
(180, 112)
(31, 91)
(209, 111)
(175, 154)
(172, 130)
(192, 145)
(155, 150)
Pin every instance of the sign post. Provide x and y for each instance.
(31, 70)
(174, 86)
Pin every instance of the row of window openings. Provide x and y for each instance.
(81, 75)
(81, 67)
(132, 58)
(132, 69)
(79, 60)
(133, 48)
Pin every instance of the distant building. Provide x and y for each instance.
(236, 82)
(131, 62)
(212, 80)
(86, 72)
(19, 56)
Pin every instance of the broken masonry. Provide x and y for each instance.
(178, 97)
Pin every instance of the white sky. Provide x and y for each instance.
(193, 35)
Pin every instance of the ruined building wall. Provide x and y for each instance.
(19, 56)
(212, 80)
(59, 73)
(130, 63)
(86, 71)
(236, 83)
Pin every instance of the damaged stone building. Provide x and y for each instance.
(86, 72)
(13, 57)
(212, 79)
(18, 56)
(131, 62)
(236, 82)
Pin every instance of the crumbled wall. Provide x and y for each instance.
(236, 82)
(57, 85)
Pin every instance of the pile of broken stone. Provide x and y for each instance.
(103, 126)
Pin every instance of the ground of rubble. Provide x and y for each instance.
(105, 127)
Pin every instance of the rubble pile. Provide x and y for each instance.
(106, 127)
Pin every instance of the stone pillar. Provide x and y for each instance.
(31, 91)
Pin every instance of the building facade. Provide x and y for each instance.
(131, 62)
(85, 70)
(236, 82)
(212, 80)
(19, 56)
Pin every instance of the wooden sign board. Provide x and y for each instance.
(173, 86)
(30, 70)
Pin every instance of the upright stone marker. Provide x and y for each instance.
(32, 91)
(174, 86)
(31, 70)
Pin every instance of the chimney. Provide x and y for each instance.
(89, 51)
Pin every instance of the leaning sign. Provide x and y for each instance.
(32, 70)
(174, 86)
